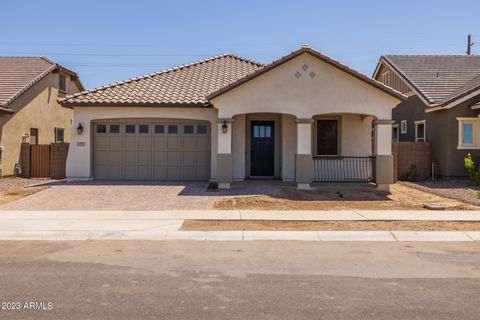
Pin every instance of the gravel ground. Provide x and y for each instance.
(12, 183)
(458, 189)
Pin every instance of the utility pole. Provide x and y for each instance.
(469, 45)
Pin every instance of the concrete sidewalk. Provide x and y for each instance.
(295, 215)
(165, 225)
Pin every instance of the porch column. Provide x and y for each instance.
(224, 153)
(383, 153)
(303, 157)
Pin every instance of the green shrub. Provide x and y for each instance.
(411, 175)
(473, 171)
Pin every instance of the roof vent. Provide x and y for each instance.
(437, 75)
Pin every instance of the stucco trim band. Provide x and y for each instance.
(305, 120)
(379, 121)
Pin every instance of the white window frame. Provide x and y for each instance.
(57, 129)
(64, 82)
(424, 139)
(403, 126)
(474, 123)
(397, 138)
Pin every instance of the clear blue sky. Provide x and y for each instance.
(107, 41)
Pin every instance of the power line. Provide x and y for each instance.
(123, 44)
(91, 54)
(110, 54)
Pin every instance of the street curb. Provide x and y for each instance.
(319, 236)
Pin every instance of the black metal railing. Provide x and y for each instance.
(344, 169)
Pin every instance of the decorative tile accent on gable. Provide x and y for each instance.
(297, 75)
(305, 67)
(312, 74)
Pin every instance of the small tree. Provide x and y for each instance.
(473, 171)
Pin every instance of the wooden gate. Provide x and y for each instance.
(40, 161)
(44, 160)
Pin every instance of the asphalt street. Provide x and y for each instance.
(239, 280)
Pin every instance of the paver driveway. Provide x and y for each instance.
(142, 195)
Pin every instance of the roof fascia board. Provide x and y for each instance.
(433, 109)
(463, 99)
(135, 105)
(377, 68)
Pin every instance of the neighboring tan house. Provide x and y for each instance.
(302, 118)
(29, 110)
(442, 106)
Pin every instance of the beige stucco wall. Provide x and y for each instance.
(331, 90)
(79, 160)
(35, 108)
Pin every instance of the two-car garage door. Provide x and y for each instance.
(151, 150)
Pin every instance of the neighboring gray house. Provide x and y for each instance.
(442, 106)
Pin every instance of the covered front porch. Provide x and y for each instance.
(324, 121)
(333, 147)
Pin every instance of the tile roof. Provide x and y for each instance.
(17, 74)
(186, 85)
(319, 55)
(438, 78)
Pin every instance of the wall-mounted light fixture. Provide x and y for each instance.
(224, 126)
(80, 129)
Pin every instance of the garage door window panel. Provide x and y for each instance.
(114, 128)
(188, 129)
(143, 128)
(159, 129)
(172, 129)
(130, 129)
(202, 129)
(101, 128)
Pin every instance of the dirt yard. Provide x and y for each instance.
(12, 189)
(402, 197)
(263, 225)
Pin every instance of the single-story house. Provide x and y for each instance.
(304, 117)
(29, 110)
(442, 106)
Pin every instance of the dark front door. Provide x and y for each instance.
(262, 152)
